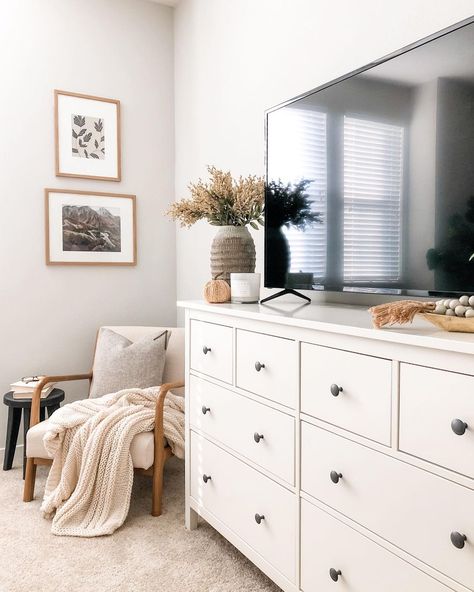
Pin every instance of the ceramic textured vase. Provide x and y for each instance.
(232, 251)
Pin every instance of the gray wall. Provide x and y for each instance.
(421, 184)
(235, 59)
(455, 182)
(455, 146)
(113, 48)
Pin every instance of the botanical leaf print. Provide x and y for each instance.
(88, 137)
(79, 120)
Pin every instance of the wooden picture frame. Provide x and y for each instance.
(97, 119)
(90, 228)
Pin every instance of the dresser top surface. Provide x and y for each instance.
(340, 318)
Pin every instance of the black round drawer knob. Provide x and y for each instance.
(335, 476)
(458, 426)
(205, 350)
(257, 437)
(259, 518)
(206, 478)
(458, 539)
(205, 409)
(334, 574)
(259, 366)
(335, 390)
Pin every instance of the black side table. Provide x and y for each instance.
(15, 407)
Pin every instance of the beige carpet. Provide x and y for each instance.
(146, 555)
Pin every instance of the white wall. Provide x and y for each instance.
(235, 59)
(113, 48)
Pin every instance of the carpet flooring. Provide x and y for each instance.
(146, 555)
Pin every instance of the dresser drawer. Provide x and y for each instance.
(415, 510)
(362, 406)
(211, 350)
(261, 434)
(434, 405)
(328, 544)
(266, 365)
(236, 493)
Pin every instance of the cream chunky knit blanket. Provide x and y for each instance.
(90, 482)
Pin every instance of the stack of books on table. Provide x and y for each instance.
(23, 389)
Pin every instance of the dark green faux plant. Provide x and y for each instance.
(289, 205)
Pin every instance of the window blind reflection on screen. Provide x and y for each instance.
(297, 150)
(373, 182)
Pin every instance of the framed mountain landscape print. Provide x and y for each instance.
(87, 131)
(90, 228)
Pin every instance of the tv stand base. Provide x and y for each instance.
(283, 293)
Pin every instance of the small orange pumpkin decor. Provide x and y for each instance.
(217, 291)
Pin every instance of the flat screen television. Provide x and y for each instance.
(370, 177)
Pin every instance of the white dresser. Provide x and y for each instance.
(333, 455)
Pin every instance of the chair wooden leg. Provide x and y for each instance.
(157, 492)
(26, 427)
(30, 477)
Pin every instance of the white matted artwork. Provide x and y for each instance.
(87, 132)
(90, 228)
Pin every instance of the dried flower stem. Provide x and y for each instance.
(223, 201)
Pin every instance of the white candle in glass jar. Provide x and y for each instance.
(244, 287)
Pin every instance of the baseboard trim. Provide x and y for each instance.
(18, 453)
(2, 450)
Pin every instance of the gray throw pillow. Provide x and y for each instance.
(120, 363)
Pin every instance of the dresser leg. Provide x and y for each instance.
(190, 518)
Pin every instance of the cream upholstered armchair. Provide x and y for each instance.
(149, 450)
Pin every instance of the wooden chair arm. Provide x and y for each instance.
(36, 398)
(164, 390)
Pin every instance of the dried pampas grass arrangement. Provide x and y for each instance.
(222, 201)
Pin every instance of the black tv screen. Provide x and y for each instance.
(370, 178)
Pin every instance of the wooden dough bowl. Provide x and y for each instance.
(459, 324)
